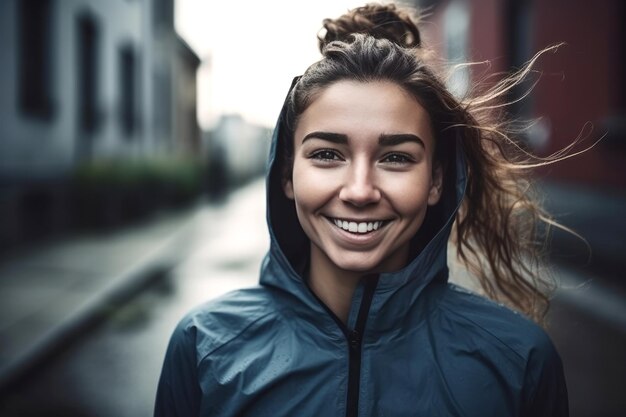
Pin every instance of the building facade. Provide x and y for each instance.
(85, 80)
(581, 90)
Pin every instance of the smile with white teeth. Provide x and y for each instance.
(357, 227)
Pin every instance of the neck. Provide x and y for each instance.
(333, 286)
(337, 295)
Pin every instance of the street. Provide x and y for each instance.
(113, 370)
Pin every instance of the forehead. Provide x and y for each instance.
(365, 110)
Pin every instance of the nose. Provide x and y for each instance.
(359, 187)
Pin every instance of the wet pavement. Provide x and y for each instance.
(112, 370)
(52, 293)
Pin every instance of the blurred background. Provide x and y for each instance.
(133, 139)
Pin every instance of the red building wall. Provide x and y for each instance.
(582, 82)
(487, 39)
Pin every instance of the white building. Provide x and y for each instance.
(244, 146)
(84, 80)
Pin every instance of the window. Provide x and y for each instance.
(163, 14)
(35, 58)
(519, 23)
(128, 90)
(87, 60)
(519, 26)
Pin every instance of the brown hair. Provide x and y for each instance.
(498, 231)
(377, 20)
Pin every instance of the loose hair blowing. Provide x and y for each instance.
(499, 229)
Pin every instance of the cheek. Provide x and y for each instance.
(411, 207)
(408, 194)
(310, 186)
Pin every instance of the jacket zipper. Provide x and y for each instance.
(355, 340)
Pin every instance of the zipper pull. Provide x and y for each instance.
(354, 340)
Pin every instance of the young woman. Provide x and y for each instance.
(373, 165)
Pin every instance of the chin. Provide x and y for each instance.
(359, 265)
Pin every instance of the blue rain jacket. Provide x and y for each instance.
(414, 344)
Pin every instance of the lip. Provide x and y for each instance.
(354, 219)
(360, 239)
(383, 220)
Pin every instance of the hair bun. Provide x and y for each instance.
(377, 20)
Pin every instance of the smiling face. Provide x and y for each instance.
(362, 175)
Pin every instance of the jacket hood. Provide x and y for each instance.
(289, 248)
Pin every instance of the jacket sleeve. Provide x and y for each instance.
(178, 391)
(546, 391)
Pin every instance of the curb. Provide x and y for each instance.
(148, 269)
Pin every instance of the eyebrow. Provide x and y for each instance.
(397, 139)
(339, 138)
(383, 139)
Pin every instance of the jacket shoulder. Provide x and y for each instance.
(500, 332)
(499, 325)
(215, 323)
(201, 331)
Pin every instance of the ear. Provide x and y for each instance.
(288, 188)
(436, 185)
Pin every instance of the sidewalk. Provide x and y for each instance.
(51, 294)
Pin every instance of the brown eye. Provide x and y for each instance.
(326, 155)
(397, 158)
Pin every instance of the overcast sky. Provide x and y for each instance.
(251, 50)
